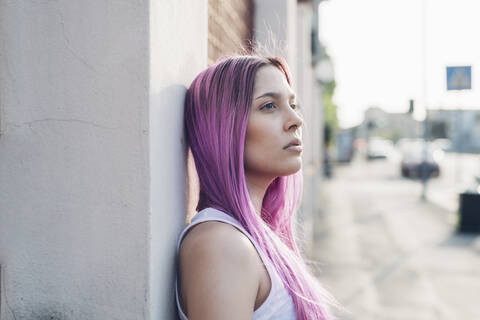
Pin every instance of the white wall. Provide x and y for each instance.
(309, 102)
(178, 39)
(289, 26)
(91, 156)
(305, 81)
(275, 27)
(74, 159)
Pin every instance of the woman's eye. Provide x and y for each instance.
(268, 106)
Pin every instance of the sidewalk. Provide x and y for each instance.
(387, 255)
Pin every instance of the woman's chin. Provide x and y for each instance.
(292, 169)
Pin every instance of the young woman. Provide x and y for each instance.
(238, 258)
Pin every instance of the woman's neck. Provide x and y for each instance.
(257, 187)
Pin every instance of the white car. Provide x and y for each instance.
(378, 148)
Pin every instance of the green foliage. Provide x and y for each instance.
(330, 109)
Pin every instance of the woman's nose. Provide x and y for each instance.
(294, 119)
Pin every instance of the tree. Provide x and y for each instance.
(330, 110)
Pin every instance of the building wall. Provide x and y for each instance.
(391, 125)
(74, 211)
(92, 160)
(305, 90)
(183, 25)
(93, 165)
(462, 128)
(275, 28)
(230, 27)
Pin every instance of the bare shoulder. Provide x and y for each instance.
(217, 244)
(216, 236)
(219, 272)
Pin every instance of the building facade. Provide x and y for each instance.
(96, 182)
(461, 127)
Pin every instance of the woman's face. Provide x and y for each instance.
(274, 122)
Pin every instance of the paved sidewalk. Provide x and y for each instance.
(386, 255)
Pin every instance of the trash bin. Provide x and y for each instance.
(470, 209)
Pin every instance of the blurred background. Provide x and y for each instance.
(398, 232)
(96, 182)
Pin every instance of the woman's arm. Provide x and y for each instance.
(219, 273)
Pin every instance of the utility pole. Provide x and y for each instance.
(423, 169)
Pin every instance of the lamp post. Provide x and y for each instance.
(423, 167)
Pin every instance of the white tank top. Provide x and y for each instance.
(279, 304)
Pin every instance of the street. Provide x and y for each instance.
(457, 175)
(385, 254)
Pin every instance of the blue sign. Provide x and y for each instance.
(459, 78)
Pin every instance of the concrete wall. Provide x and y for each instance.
(92, 165)
(74, 160)
(309, 92)
(178, 40)
(275, 27)
(93, 184)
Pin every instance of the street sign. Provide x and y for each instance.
(459, 78)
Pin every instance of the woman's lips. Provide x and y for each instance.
(294, 142)
(294, 148)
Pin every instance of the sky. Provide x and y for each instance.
(377, 52)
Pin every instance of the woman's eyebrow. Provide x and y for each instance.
(274, 95)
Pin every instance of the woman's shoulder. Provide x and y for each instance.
(218, 262)
(216, 240)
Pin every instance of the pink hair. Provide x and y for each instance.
(216, 113)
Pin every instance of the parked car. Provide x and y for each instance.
(378, 148)
(413, 159)
(403, 144)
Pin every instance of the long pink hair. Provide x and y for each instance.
(217, 107)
